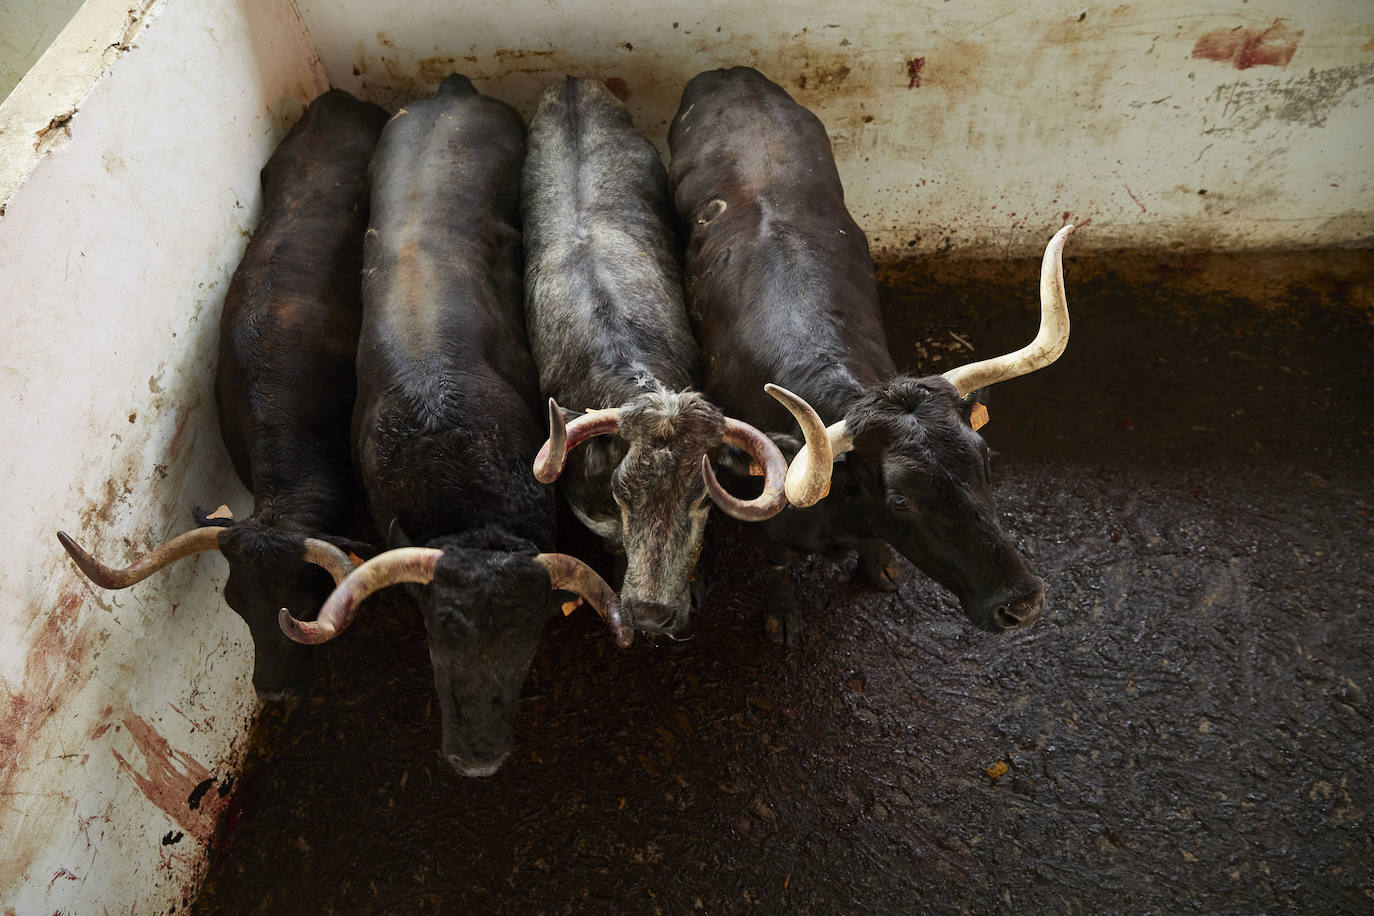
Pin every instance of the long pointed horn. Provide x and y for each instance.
(404, 564)
(1048, 343)
(182, 545)
(570, 574)
(548, 464)
(773, 499)
(808, 476)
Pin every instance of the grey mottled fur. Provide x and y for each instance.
(608, 328)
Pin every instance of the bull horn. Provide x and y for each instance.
(773, 499)
(330, 558)
(563, 438)
(183, 545)
(404, 564)
(1048, 343)
(570, 574)
(808, 476)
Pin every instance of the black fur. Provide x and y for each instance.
(447, 421)
(781, 288)
(285, 385)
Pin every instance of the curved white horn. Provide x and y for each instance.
(808, 476)
(1048, 344)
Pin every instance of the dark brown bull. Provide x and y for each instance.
(288, 336)
(780, 288)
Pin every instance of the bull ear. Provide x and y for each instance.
(217, 518)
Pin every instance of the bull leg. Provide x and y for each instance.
(877, 568)
(782, 623)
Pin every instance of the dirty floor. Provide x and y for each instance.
(1189, 729)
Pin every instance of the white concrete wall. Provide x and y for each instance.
(128, 185)
(27, 27)
(1017, 117)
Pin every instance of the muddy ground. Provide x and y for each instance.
(1187, 730)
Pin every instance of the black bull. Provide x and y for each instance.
(781, 289)
(447, 420)
(284, 387)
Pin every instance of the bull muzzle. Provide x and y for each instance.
(1016, 610)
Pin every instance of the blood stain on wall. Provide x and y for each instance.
(175, 781)
(1245, 48)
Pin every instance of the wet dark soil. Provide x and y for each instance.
(1189, 729)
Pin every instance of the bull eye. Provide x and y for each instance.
(898, 503)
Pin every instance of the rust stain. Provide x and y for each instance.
(175, 781)
(823, 77)
(913, 72)
(1245, 48)
(385, 40)
(505, 54)
(619, 88)
(434, 69)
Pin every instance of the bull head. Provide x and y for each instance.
(484, 610)
(661, 488)
(563, 438)
(808, 477)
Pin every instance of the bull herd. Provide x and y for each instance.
(555, 306)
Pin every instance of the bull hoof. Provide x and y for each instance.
(776, 631)
(783, 631)
(877, 568)
(782, 623)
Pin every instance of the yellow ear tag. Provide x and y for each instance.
(978, 416)
(754, 469)
(357, 560)
(221, 512)
(570, 606)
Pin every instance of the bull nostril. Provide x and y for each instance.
(1021, 612)
(476, 769)
(647, 615)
